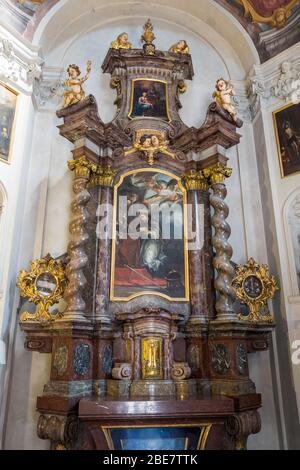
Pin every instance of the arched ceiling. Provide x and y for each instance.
(255, 16)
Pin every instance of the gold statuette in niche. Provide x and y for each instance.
(152, 358)
(44, 286)
(254, 287)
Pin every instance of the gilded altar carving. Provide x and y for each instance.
(217, 173)
(180, 47)
(115, 84)
(151, 143)
(121, 42)
(147, 38)
(152, 358)
(82, 167)
(102, 176)
(195, 181)
(75, 92)
(254, 287)
(43, 285)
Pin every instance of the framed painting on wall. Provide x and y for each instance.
(149, 249)
(149, 98)
(8, 104)
(287, 130)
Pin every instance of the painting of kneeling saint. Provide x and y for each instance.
(8, 100)
(149, 254)
(287, 129)
(149, 99)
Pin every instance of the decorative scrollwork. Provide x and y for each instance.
(43, 285)
(254, 287)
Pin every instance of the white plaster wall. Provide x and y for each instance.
(281, 190)
(45, 220)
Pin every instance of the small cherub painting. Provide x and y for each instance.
(74, 91)
(223, 96)
(149, 99)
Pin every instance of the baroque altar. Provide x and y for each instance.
(152, 347)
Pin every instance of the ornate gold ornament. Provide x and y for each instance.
(74, 92)
(121, 42)
(104, 176)
(44, 286)
(181, 87)
(217, 173)
(115, 84)
(150, 143)
(254, 287)
(152, 358)
(195, 181)
(180, 47)
(147, 38)
(276, 18)
(82, 167)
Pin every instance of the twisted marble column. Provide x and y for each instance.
(223, 251)
(79, 237)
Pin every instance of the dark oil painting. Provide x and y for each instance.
(287, 128)
(149, 99)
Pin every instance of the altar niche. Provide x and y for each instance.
(149, 247)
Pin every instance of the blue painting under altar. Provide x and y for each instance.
(164, 438)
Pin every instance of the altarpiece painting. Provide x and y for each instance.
(149, 236)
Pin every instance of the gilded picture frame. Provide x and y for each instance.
(154, 96)
(287, 133)
(8, 113)
(114, 296)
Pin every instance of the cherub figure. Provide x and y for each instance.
(75, 93)
(150, 145)
(121, 42)
(180, 47)
(222, 95)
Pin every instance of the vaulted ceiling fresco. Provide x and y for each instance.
(272, 24)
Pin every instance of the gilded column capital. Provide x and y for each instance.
(82, 167)
(217, 173)
(195, 181)
(104, 176)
